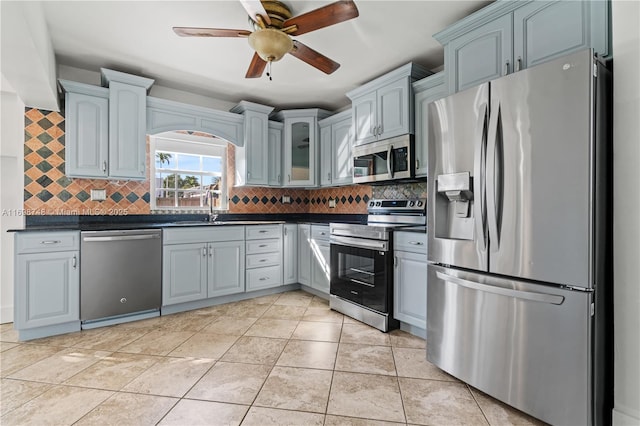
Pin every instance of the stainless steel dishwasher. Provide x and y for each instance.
(120, 273)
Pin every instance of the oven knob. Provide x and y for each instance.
(370, 203)
(378, 203)
(419, 204)
(411, 203)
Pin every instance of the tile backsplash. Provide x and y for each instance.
(47, 190)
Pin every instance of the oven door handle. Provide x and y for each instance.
(360, 243)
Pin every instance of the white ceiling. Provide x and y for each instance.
(137, 37)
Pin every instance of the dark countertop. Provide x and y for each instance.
(109, 223)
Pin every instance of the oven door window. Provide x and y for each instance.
(361, 276)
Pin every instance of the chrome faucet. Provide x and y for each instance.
(209, 198)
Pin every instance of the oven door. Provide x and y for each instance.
(362, 275)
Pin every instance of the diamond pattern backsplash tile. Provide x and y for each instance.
(48, 191)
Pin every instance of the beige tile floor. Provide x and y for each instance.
(282, 359)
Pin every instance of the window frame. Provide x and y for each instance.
(190, 145)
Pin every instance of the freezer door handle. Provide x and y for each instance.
(493, 177)
(531, 296)
(480, 200)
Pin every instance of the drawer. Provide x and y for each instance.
(320, 232)
(264, 277)
(264, 246)
(414, 242)
(202, 234)
(262, 259)
(41, 242)
(259, 232)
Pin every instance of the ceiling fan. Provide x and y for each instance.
(273, 27)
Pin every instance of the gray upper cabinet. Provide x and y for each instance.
(508, 36)
(383, 108)
(256, 135)
(275, 153)
(127, 124)
(336, 139)
(427, 90)
(300, 146)
(106, 127)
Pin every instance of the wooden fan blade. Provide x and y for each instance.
(313, 58)
(331, 14)
(209, 32)
(255, 7)
(256, 68)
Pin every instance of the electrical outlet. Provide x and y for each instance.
(286, 199)
(98, 194)
(332, 203)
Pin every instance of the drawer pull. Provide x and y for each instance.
(263, 260)
(354, 292)
(263, 231)
(204, 252)
(416, 243)
(74, 261)
(51, 242)
(262, 245)
(323, 233)
(264, 278)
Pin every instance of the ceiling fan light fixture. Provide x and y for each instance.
(270, 44)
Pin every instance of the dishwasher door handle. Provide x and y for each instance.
(121, 238)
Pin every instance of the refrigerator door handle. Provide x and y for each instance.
(479, 172)
(492, 177)
(531, 296)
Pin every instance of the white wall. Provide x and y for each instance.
(11, 188)
(626, 215)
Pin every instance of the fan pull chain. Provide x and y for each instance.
(269, 71)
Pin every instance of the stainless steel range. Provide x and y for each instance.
(361, 283)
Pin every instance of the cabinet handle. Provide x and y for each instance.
(74, 261)
(379, 130)
(519, 64)
(204, 252)
(285, 231)
(323, 233)
(104, 166)
(262, 245)
(506, 68)
(329, 176)
(141, 168)
(264, 278)
(373, 131)
(278, 178)
(416, 243)
(248, 175)
(51, 242)
(289, 178)
(417, 163)
(395, 261)
(210, 251)
(262, 231)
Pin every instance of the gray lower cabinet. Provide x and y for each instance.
(202, 263)
(409, 277)
(508, 36)
(320, 258)
(264, 256)
(304, 254)
(290, 253)
(47, 283)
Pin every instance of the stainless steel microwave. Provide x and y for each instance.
(389, 159)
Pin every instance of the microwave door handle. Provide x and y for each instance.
(390, 162)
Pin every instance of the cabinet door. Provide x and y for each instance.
(87, 135)
(226, 268)
(256, 144)
(422, 100)
(300, 151)
(304, 254)
(394, 116)
(546, 30)
(127, 131)
(320, 272)
(47, 289)
(290, 254)
(325, 155)
(341, 171)
(365, 118)
(275, 156)
(410, 289)
(480, 55)
(184, 273)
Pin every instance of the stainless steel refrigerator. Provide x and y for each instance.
(518, 294)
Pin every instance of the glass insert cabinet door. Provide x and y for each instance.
(300, 151)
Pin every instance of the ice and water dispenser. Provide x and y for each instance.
(454, 206)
